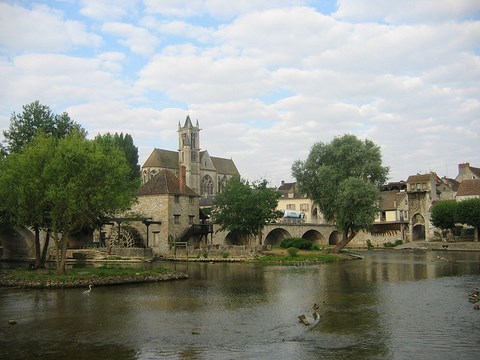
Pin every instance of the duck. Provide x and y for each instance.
(316, 317)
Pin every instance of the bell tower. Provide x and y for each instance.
(189, 152)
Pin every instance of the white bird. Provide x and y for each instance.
(87, 292)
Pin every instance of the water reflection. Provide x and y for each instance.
(391, 305)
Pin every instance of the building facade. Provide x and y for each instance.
(206, 175)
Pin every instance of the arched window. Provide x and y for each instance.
(207, 185)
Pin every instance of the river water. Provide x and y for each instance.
(390, 305)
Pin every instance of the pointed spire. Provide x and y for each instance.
(188, 122)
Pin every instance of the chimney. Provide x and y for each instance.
(182, 179)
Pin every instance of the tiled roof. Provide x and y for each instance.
(162, 158)
(224, 166)
(164, 183)
(389, 200)
(469, 187)
(419, 178)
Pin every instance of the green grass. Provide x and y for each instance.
(298, 258)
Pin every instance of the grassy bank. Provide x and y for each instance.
(283, 255)
(96, 276)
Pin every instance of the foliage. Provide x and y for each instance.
(444, 214)
(298, 243)
(34, 119)
(292, 251)
(244, 208)
(125, 143)
(468, 212)
(391, 245)
(369, 244)
(65, 185)
(343, 178)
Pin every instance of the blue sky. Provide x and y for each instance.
(265, 79)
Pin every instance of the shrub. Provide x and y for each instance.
(369, 244)
(389, 244)
(225, 254)
(298, 243)
(292, 251)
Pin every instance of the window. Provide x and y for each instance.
(176, 219)
(191, 219)
(304, 207)
(176, 199)
(290, 206)
(190, 199)
(206, 188)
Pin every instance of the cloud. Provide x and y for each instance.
(108, 10)
(41, 29)
(138, 40)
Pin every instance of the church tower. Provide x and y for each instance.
(189, 153)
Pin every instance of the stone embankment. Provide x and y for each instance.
(441, 245)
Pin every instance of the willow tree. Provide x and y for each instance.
(343, 178)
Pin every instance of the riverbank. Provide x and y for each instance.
(76, 278)
(441, 245)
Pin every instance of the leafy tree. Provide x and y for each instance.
(65, 185)
(468, 212)
(343, 178)
(22, 189)
(36, 118)
(444, 215)
(125, 143)
(245, 208)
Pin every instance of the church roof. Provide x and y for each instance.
(162, 158)
(224, 166)
(469, 187)
(164, 183)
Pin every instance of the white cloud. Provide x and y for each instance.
(41, 29)
(393, 11)
(138, 40)
(108, 10)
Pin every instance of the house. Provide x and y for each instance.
(292, 199)
(393, 206)
(165, 197)
(465, 172)
(468, 189)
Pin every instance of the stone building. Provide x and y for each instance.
(465, 172)
(174, 205)
(205, 175)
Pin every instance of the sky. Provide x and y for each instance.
(265, 79)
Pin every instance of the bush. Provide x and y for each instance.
(298, 243)
(389, 244)
(369, 244)
(292, 251)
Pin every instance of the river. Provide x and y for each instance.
(390, 305)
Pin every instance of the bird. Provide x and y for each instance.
(87, 292)
(316, 316)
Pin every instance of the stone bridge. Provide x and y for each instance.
(20, 244)
(273, 234)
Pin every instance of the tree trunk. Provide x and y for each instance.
(63, 255)
(38, 259)
(345, 240)
(45, 249)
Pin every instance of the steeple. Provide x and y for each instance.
(189, 152)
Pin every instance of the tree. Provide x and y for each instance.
(444, 214)
(343, 178)
(468, 212)
(244, 208)
(65, 185)
(22, 189)
(35, 118)
(125, 143)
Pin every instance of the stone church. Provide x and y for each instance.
(206, 175)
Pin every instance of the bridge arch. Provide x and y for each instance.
(334, 238)
(276, 236)
(314, 236)
(236, 238)
(18, 244)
